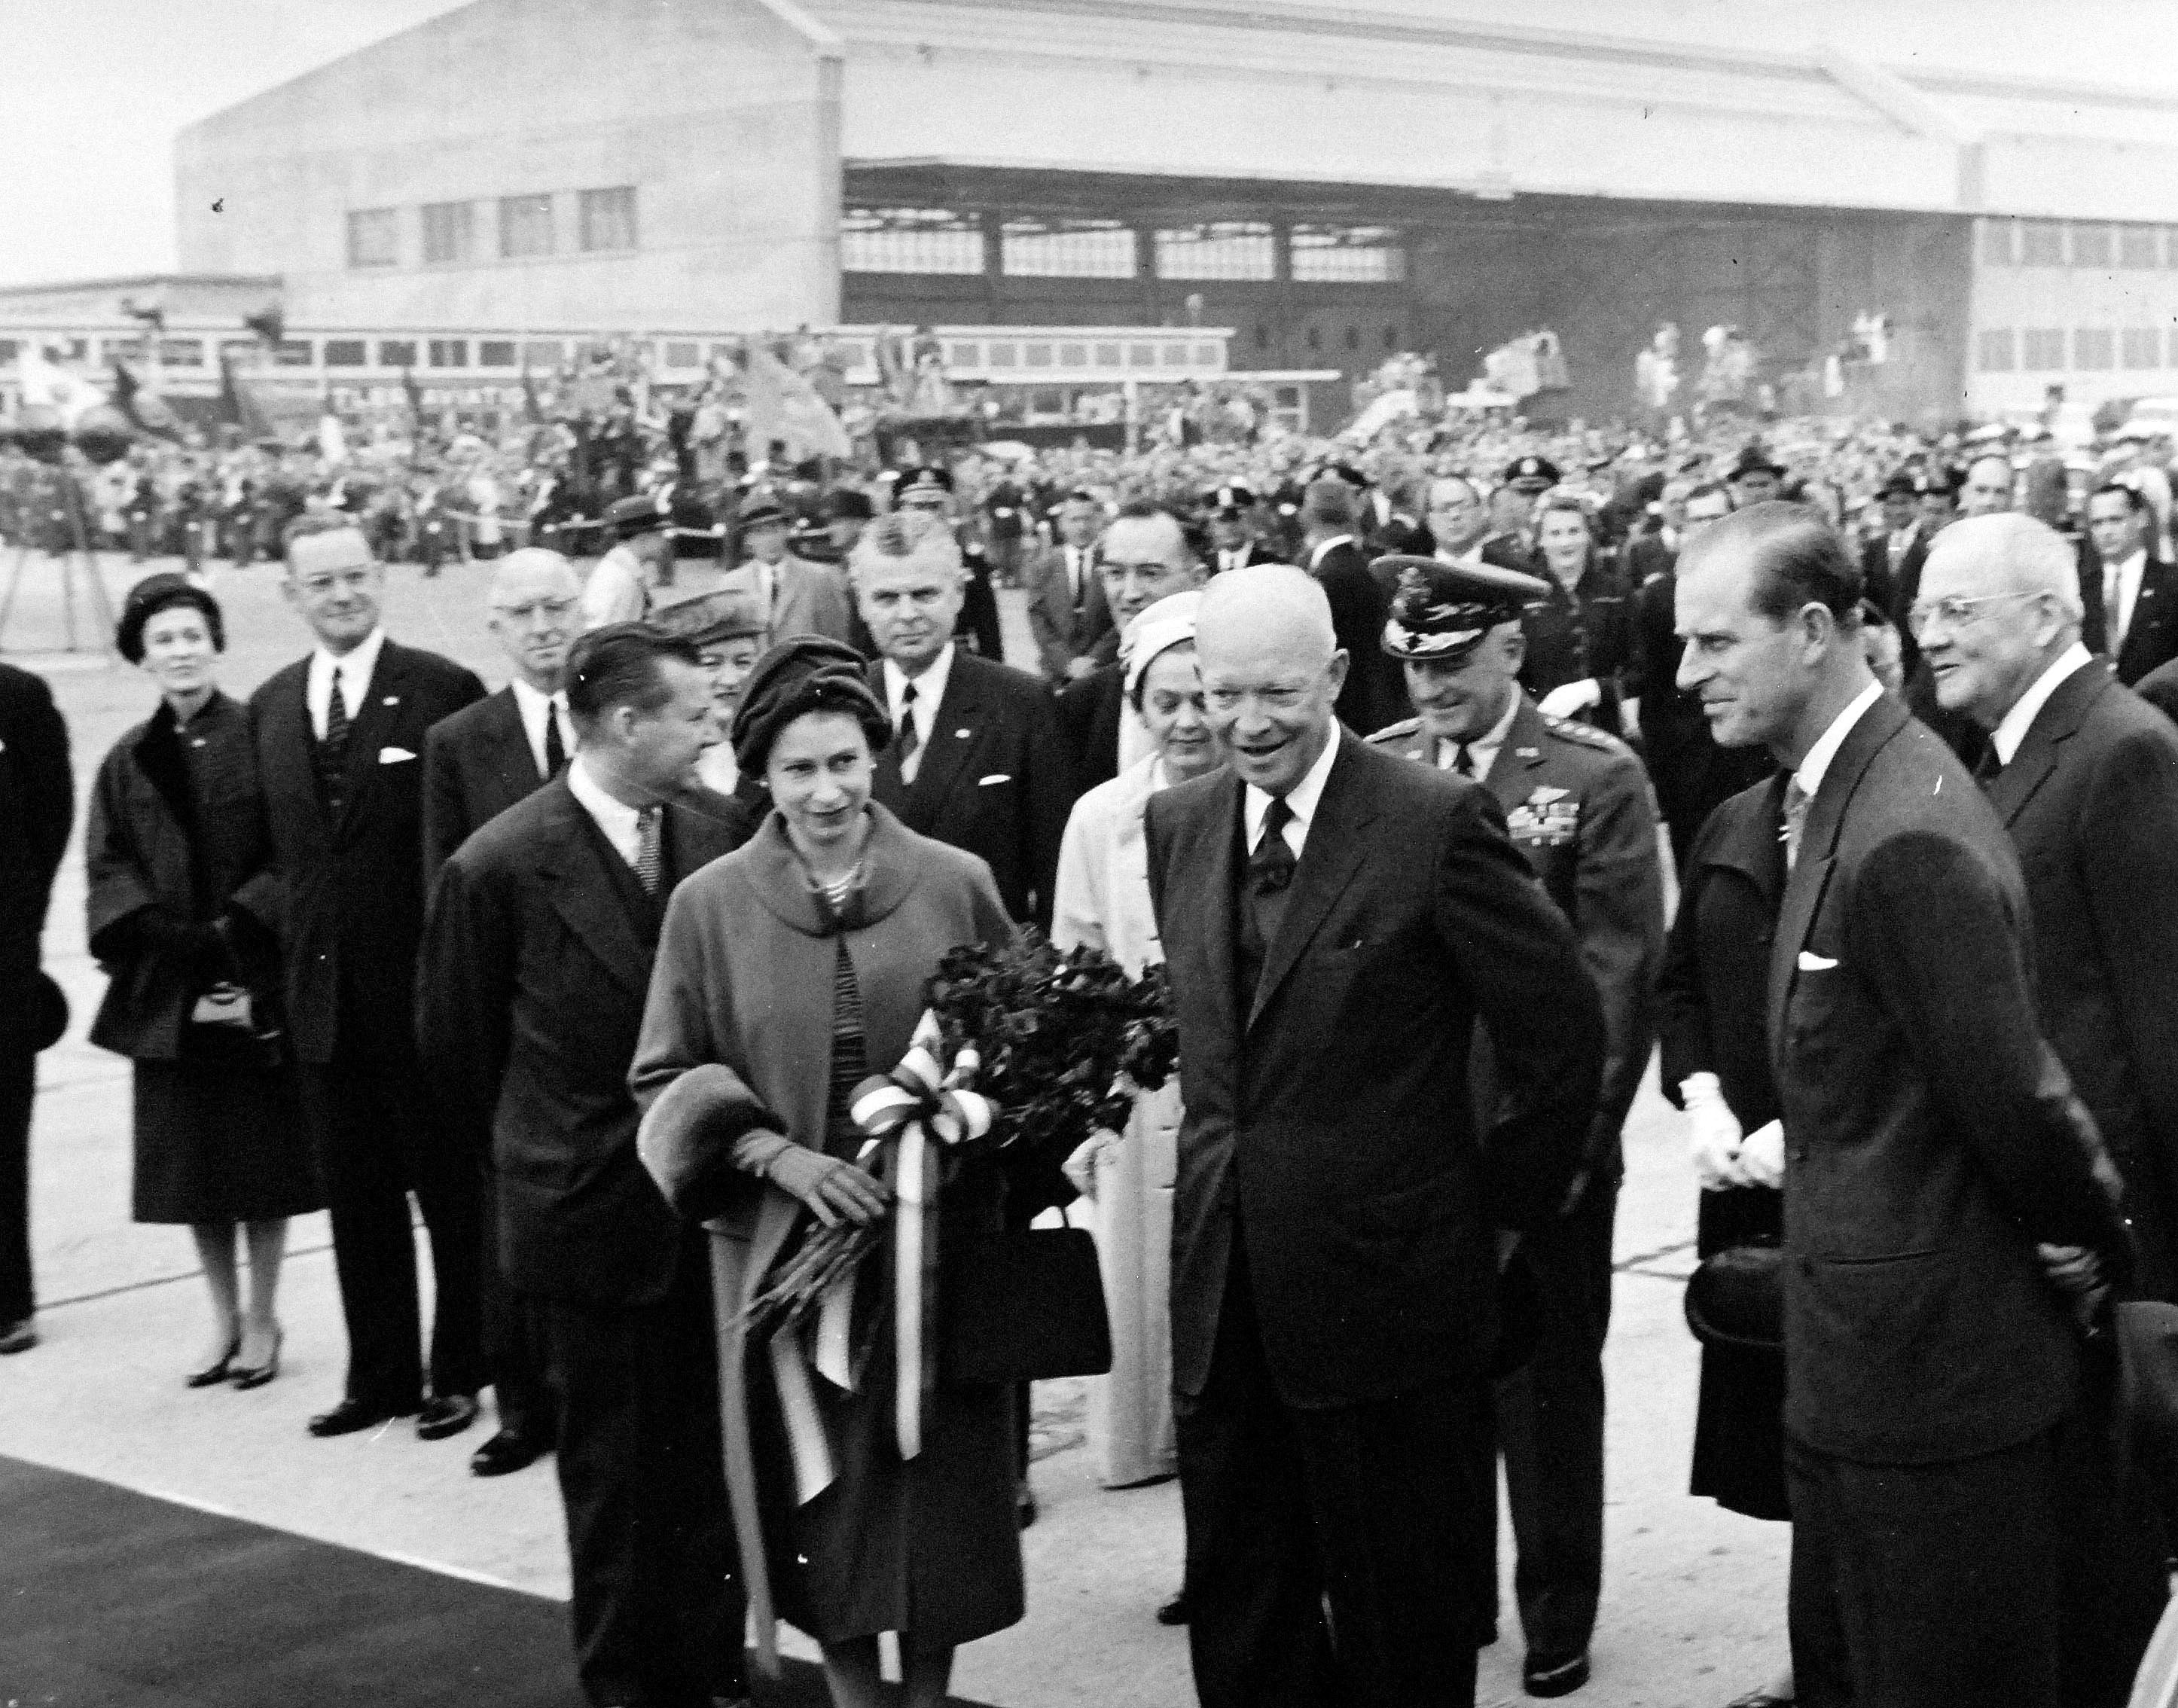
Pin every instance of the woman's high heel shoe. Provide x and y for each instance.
(257, 1374)
(215, 1373)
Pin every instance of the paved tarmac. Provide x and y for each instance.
(1693, 1597)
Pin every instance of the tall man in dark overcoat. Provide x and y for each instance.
(1337, 921)
(37, 806)
(2084, 774)
(535, 964)
(1951, 1217)
(339, 741)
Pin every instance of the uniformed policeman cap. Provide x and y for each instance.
(1900, 485)
(762, 510)
(1229, 502)
(640, 513)
(926, 486)
(728, 614)
(1442, 610)
(1754, 460)
(1530, 474)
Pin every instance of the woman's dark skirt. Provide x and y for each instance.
(216, 1143)
(1739, 1418)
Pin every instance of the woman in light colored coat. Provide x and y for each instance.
(1102, 900)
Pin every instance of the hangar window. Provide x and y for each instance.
(372, 240)
(396, 352)
(1996, 242)
(2139, 246)
(449, 233)
(450, 352)
(543, 353)
(1067, 249)
(1997, 351)
(608, 218)
(2093, 347)
(1216, 250)
(2042, 243)
(525, 226)
(495, 353)
(344, 352)
(2042, 348)
(181, 353)
(293, 353)
(2091, 246)
(1349, 256)
(910, 240)
(2141, 347)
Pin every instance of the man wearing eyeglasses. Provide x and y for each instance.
(2084, 774)
(1460, 523)
(340, 737)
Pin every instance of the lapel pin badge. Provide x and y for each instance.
(961, 735)
(391, 700)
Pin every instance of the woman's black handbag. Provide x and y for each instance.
(1024, 1305)
(1736, 1298)
(227, 1026)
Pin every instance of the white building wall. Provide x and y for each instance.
(723, 116)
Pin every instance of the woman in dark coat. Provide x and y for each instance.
(788, 970)
(1714, 998)
(183, 905)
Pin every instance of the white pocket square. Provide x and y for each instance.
(1815, 963)
(995, 777)
(393, 755)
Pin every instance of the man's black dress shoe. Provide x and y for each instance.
(1545, 1676)
(352, 1414)
(1176, 1611)
(446, 1414)
(506, 1452)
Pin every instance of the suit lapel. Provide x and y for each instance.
(2147, 608)
(1811, 874)
(585, 894)
(2043, 747)
(291, 761)
(516, 760)
(382, 698)
(1334, 848)
(953, 733)
(1210, 898)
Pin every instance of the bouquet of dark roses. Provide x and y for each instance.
(1023, 1052)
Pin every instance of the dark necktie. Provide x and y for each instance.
(555, 750)
(1987, 767)
(1264, 888)
(648, 866)
(1464, 761)
(332, 749)
(1270, 867)
(906, 739)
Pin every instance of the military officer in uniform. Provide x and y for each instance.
(1579, 807)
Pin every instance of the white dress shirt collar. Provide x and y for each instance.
(929, 692)
(534, 707)
(2011, 728)
(1316, 556)
(1300, 800)
(622, 825)
(1825, 749)
(353, 670)
(1482, 751)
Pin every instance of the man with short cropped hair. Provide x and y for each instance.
(340, 739)
(1067, 611)
(2128, 595)
(536, 965)
(1143, 557)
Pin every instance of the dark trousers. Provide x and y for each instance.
(1926, 1585)
(18, 1078)
(375, 1141)
(658, 1605)
(1378, 1507)
(2112, 1566)
(1550, 1428)
(513, 1352)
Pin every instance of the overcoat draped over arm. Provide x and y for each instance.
(737, 1039)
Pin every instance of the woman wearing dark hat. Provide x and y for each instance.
(182, 909)
(788, 970)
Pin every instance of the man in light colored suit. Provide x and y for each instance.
(1067, 611)
(796, 596)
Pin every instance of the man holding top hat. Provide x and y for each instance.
(1579, 807)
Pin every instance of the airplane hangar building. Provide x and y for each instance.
(1333, 183)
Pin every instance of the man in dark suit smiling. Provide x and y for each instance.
(1337, 920)
(1951, 1218)
(340, 740)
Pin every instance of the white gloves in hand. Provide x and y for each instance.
(1573, 698)
(1762, 1157)
(1713, 1134)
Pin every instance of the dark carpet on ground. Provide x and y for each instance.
(112, 1599)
